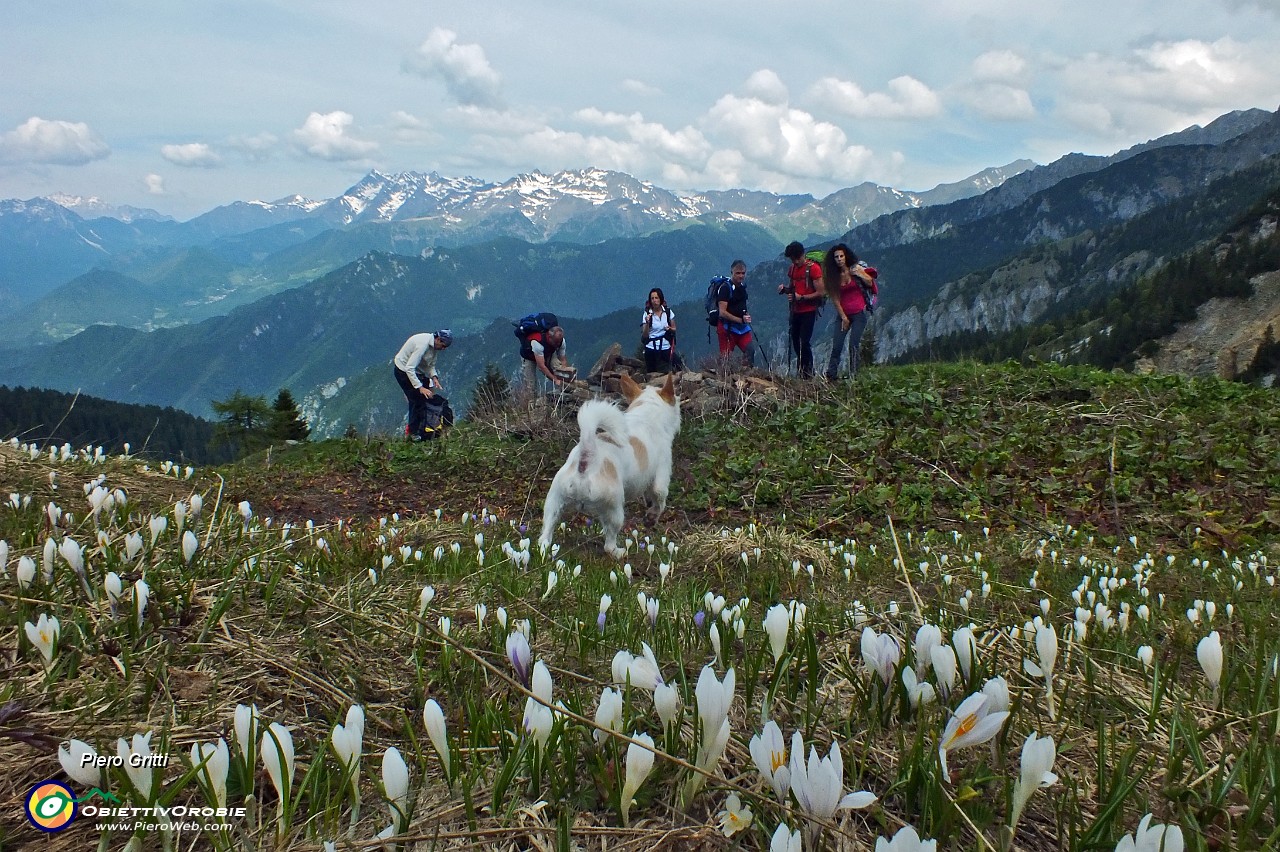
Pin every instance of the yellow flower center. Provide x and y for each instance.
(777, 759)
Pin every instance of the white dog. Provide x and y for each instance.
(619, 456)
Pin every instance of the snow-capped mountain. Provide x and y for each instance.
(92, 207)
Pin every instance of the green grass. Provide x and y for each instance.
(957, 495)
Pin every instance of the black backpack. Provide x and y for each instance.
(711, 302)
(438, 417)
(534, 323)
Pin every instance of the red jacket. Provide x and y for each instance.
(802, 276)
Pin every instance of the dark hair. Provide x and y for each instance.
(738, 263)
(661, 297)
(829, 269)
(794, 250)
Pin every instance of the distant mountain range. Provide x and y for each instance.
(45, 244)
(316, 296)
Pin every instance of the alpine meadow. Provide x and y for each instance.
(1012, 586)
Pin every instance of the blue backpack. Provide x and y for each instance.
(711, 302)
(535, 323)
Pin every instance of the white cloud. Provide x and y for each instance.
(463, 68)
(906, 98)
(1165, 86)
(64, 143)
(765, 85)
(324, 135)
(778, 139)
(999, 66)
(191, 155)
(1001, 102)
(154, 184)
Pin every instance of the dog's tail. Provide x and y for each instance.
(598, 421)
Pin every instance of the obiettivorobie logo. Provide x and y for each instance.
(51, 805)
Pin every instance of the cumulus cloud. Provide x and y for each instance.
(1165, 86)
(191, 155)
(765, 85)
(781, 139)
(64, 143)
(906, 98)
(463, 68)
(1000, 102)
(999, 66)
(154, 184)
(325, 136)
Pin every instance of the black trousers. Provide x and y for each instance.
(658, 360)
(417, 402)
(801, 327)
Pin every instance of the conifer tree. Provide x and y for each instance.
(245, 422)
(287, 423)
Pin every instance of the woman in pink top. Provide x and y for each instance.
(845, 282)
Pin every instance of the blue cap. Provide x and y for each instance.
(445, 336)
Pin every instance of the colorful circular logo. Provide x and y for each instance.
(51, 806)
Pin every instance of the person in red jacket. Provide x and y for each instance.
(805, 292)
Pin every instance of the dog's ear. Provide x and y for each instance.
(668, 391)
(630, 389)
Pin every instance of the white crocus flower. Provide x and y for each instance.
(44, 636)
(78, 760)
(641, 672)
(972, 724)
(928, 637)
(348, 745)
(966, 650)
(1151, 837)
(735, 817)
(433, 718)
(997, 691)
(666, 701)
(114, 588)
(141, 594)
(639, 764)
(136, 757)
(1038, 754)
(786, 840)
(1209, 653)
(818, 786)
(1046, 639)
(212, 762)
(189, 546)
(278, 758)
(26, 572)
(918, 691)
(777, 623)
(944, 668)
(714, 698)
(395, 786)
(769, 752)
(880, 654)
(158, 524)
(608, 714)
(906, 840)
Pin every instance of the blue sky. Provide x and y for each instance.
(185, 106)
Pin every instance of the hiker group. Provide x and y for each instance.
(812, 278)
